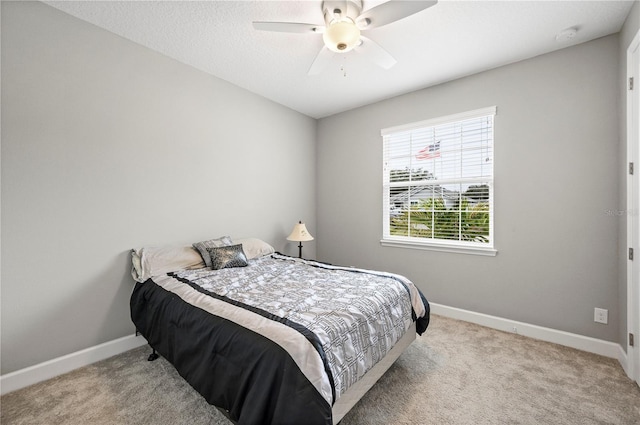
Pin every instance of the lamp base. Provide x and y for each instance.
(300, 250)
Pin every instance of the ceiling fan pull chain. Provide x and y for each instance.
(343, 66)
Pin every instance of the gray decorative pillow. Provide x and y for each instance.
(211, 243)
(227, 257)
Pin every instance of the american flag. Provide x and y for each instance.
(429, 152)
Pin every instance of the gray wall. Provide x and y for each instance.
(106, 146)
(556, 178)
(629, 30)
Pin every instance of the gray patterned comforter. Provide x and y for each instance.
(357, 315)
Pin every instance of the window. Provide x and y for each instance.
(438, 183)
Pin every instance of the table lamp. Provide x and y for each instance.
(300, 234)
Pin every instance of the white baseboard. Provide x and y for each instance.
(52, 368)
(622, 358)
(580, 342)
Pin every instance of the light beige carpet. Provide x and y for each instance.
(456, 373)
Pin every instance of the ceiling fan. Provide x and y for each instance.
(344, 21)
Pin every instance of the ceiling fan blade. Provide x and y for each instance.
(375, 53)
(390, 11)
(296, 27)
(321, 61)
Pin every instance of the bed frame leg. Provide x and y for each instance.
(153, 355)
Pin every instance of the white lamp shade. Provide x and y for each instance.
(300, 233)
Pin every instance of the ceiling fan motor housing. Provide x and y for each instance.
(347, 9)
(341, 34)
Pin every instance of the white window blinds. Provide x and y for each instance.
(438, 181)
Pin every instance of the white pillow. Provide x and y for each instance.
(153, 261)
(254, 247)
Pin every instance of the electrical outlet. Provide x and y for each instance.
(600, 315)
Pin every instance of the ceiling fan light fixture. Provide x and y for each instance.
(341, 36)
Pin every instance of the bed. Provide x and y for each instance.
(268, 338)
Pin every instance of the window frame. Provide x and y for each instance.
(413, 242)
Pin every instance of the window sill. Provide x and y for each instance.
(472, 250)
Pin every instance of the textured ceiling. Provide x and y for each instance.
(447, 41)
